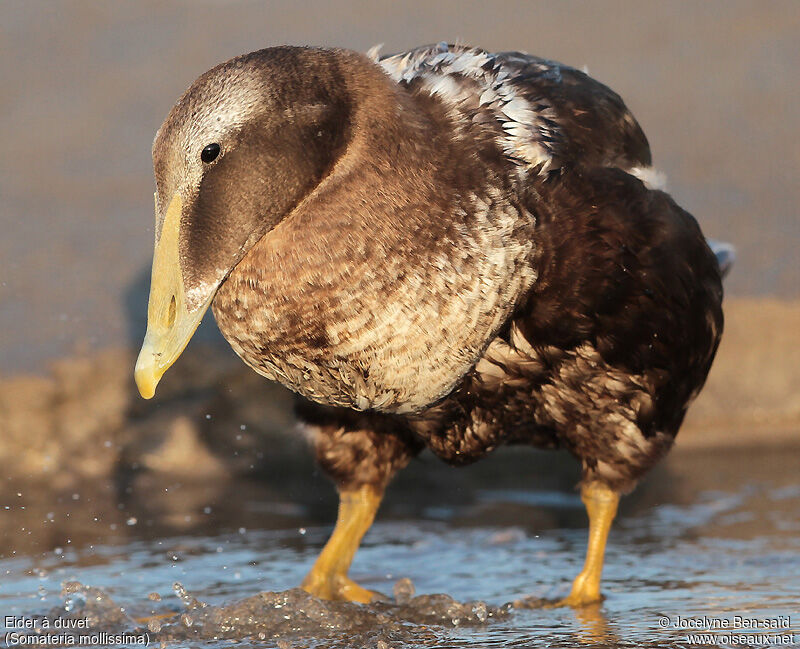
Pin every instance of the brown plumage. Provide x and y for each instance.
(444, 248)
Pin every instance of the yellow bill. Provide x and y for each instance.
(170, 325)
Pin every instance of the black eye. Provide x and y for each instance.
(210, 153)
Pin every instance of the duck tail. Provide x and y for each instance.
(725, 254)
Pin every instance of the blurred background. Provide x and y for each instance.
(85, 84)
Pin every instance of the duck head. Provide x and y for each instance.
(237, 153)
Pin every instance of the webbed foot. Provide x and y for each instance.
(338, 588)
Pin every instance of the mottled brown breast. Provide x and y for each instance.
(372, 320)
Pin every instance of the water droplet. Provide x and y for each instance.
(480, 612)
(131, 521)
(403, 591)
(182, 594)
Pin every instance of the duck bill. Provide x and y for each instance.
(170, 321)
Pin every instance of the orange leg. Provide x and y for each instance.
(601, 505)
(328, 577)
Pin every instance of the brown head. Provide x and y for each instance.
(246, 143)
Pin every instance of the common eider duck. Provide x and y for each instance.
(446, 248)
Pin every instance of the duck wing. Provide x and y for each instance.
(549, 116)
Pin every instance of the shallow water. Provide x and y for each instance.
(707, 534)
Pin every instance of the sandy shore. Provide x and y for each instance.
(752, 395)
(215, 417)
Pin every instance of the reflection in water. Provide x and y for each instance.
(712, 534)
(594, 627)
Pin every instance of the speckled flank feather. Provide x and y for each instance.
(602, 363)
